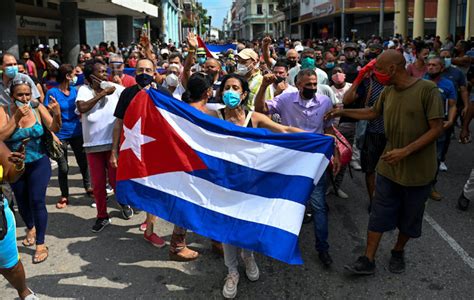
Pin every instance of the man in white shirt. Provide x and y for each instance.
(96, 102)
(308, 62)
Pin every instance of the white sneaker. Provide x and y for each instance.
(443, 167)
(31, 296)
(109, 190)
(340, 193)
(355, 165)
(251, 268)
(230, 286)
(93, 205)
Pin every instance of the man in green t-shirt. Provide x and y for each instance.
(413, 119)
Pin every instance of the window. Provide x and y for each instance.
(270, 27)
(461, 13)
(271, 9)
(259, 9)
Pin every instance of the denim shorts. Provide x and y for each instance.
(8, 248)
(398, 206)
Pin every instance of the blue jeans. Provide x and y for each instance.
(320, 215)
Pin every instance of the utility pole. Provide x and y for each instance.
(210, 21)
(382, 9)
(343, 19)
(291, 19)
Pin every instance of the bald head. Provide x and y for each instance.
(390, 57)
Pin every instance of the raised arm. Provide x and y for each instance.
(266, 52)
(260, 105)
(188, 62)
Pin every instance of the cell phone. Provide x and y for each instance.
(23, 145)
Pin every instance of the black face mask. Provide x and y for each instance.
(279, 79)
(434, 75)
(291, 63)
(371, 55)
(144, 79)
(309, 93)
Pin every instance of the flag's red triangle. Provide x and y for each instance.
(167, 153)
(201, 44)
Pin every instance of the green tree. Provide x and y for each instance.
(201, 14)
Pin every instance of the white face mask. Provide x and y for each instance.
(242, 69)
(172, 80)
(105, 84)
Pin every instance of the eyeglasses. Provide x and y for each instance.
(16, 82)
(118, 63)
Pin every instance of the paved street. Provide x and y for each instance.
(118, 263)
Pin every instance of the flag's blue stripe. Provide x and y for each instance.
(268, 240)
(221, 48)
(307, 142)
(247, 180)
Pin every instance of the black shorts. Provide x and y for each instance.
(398, 206)
(374, 144)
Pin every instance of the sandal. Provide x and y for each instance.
(183, 254)
(29, 241)
(41, 255)
(62, 203)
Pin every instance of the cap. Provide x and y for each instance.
(200, 51)
(374, 46)
(53, 63)
(164, 51)
(390, 44)
(299, 48)
(248, 53)
(350, 45)
(40, 46)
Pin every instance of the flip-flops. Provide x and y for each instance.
(28, 242)
(41, 255)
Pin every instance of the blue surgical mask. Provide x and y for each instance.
(80, 79)
(330, 65)
(201, 60)
(447, 62)
(11, 71)
(185, 53)
(307, 63)
(231, 98)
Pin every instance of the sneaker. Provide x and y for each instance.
(463, 202)
(308, 217)
(325, 258)
(93, 204)
(155, 240)
(230, 286)
(100, 224)
(251, 268)
(397, 262)
(341, 194)
(355, 165)
(443, 167)
(143, 226)
(109, 190)
(362, 266)
(435, 195)
(31, 296)
(127, 212)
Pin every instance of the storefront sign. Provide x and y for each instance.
(323, 10)
(41, 24)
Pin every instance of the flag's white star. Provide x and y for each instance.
(134, 139)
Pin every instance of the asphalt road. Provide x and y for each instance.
(118, 263)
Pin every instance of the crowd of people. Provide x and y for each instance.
(395, 102)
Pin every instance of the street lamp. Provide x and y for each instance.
(210, 20)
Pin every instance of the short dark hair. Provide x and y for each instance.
(174, 55)
(305, 72)
(6, 54)
(90, 66)
(63, 71)
(22, 62)
(243, 83)
(198, 83)
(281, 63)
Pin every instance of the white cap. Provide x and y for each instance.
(299, 48)
(40, 46)
(391, 44)
(164, 51)
(53, 63)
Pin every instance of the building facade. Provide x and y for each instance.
(252, 19)
(171, 21)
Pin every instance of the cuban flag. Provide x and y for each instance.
(242, 186)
